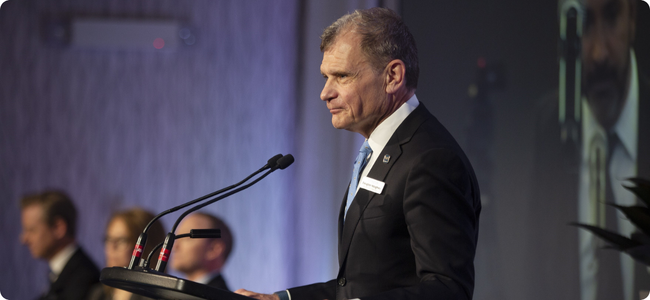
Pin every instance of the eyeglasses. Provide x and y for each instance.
(117, 242)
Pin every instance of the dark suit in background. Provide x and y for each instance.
(417, 239)
(218, 282)
(75, 280)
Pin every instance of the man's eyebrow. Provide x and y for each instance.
(340, 73)
(336, 73)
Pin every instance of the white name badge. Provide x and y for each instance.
(372, 185)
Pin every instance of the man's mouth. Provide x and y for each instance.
(602, 81)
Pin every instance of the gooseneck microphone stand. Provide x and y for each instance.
(138, 278)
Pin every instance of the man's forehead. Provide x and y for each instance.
(344, 50)
(34, 209)
(337, 52)
(33, 214)
(196, 222)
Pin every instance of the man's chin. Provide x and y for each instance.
(338, 124)
(39, 255)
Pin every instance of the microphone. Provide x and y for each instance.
(282, 163)
(194, 234)
(158, 285)
(570, 64)
(142, 239)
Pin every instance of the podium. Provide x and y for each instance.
(157, 285)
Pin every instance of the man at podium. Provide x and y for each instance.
(408, 224)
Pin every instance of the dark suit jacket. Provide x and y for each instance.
(417, 239)
(218, 282)
(552, 252)
(75, 280)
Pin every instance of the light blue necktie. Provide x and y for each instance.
(359, 164)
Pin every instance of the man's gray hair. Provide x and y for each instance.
(384, 37)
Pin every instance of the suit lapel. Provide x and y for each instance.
(67, 271)
(379, 172)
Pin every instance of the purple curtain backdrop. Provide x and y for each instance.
(118, 128)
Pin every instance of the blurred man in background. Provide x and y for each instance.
(201, 260)
(49, 223)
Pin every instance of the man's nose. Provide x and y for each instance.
(597, 46)
(328, 93)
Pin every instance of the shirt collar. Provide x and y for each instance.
(626, 127)
(58, 262)
(207, 277)
(380, 136)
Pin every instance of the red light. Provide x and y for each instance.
(158, 43)
(481, 62)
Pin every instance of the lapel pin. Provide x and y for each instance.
(386, 158)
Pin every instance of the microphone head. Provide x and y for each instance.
(273, 161)
(285, 161)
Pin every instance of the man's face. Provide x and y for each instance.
(37, 235)
(354, 92)
(188, 254)
(607, 37)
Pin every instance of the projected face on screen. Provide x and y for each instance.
(608, 35)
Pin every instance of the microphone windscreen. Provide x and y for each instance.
(285, 161)
(273, 161)
(205, 233)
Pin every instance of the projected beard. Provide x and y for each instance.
(608, 35)
(605, 86)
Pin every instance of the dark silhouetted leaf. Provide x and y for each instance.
(617, 241)
(641, 189)
(642, 182)
(638, 246)
(640, 237)
(638, 215)
(640, 254)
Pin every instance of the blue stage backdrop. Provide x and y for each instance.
(118, 123)
(118, 127)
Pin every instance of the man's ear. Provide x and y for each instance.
(59, 228)
(214, 250)
(395, 76)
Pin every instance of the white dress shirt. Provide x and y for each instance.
(380, 136)
(58, 262)
(623, 165)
